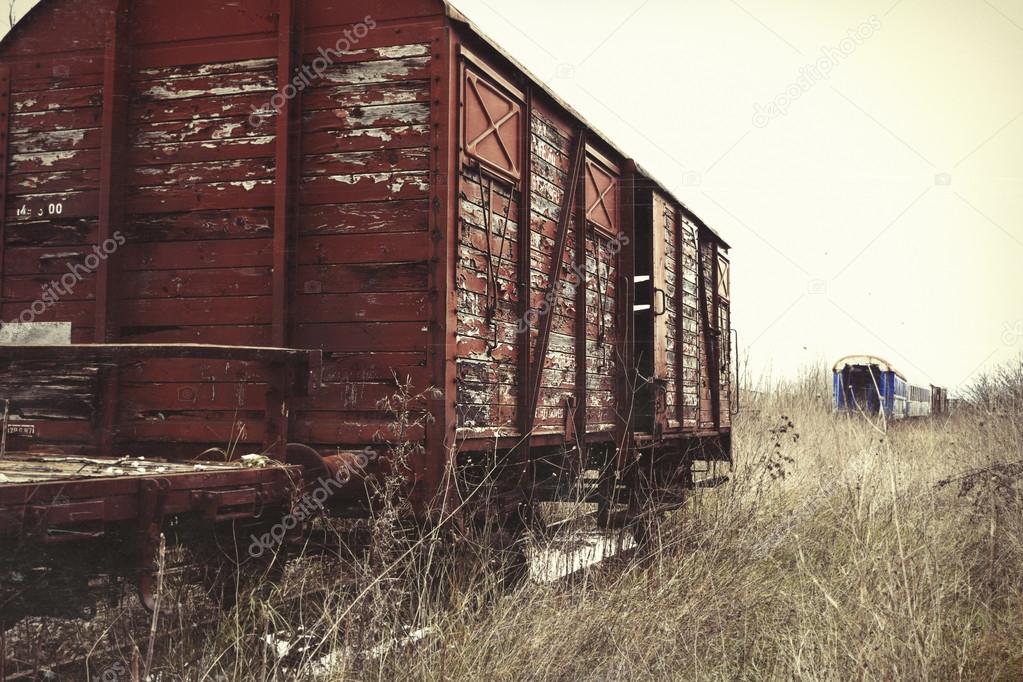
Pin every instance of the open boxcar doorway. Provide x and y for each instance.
(650, 319)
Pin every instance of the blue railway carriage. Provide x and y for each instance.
(871, 385)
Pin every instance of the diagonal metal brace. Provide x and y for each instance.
(550, 296)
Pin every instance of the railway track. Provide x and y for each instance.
(560, 554)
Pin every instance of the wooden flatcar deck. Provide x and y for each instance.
(27, 468)
(57, 498)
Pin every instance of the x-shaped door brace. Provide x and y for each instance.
(494, 125)
(601, 200)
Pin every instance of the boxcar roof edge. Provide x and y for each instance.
(454, 14)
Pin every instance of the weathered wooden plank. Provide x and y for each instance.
(26, 289)
(212, 130)
(362, 278)
(363, 248)
(377, 71)
(192, 370)
(376, 307)
(55, 140)
(352, 396)
(211, 70)
(197, 86)
(194, 429)
(56, 120)
(363, 162)
(387, 216)
(201, 225)
(205, 107)
(54, 181)
(362, 336)
(376, 53)
(328, 189)
(194, 152)
(46, 260)
(56, 99)
(361, 117)
(206, 172)
(380, 367)
(348, 428)
(202, 197)
(231, 335)
(151, 312)
(79, 313)
(398, 92)
(45, 75)
(186, 284)
(35, 162)
(228, 253)
(192, 397)
(341, 140)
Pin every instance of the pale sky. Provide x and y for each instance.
(882, 213)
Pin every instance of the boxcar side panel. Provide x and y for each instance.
(363, 247)
(552, 140)
(491, 337)
(603, 248)
(196, 256)
(53, 96)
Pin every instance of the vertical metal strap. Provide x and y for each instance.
(285, 180)
(112, 208)
(279, 415)
(525, 242)
(432, 492)
(582, 233)
(5, 126)
(113, 160)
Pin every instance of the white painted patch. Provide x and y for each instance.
(36, 334)
(225, 130)
(163, 93)
(375, 72)
(400, 51)
(61, 136)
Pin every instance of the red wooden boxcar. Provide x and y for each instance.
(373, 180)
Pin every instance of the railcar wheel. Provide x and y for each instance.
(652, 495)
(508, 559)
(498, 541)
(231, 571)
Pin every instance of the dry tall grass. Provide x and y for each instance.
(837, 551)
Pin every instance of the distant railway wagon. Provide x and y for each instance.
(869, 385)
(239, 225)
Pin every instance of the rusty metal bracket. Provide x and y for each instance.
(558, 255)
(221, 506)
(570, 409)
(150, 521)
(59, 523)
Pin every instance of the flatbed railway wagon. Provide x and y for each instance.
(241, 224)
